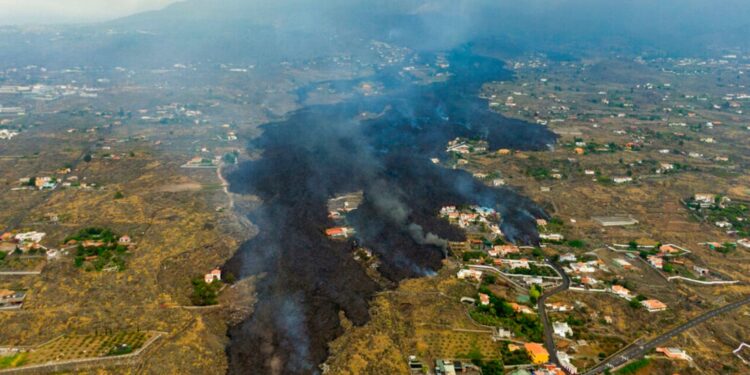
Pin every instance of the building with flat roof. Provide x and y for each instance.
(615, 221)
(537, 352)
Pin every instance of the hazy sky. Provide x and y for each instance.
(62, 11)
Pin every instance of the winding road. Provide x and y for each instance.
(637, 350)
(549, 340)
(634, 350)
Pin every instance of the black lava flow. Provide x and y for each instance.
(319, 152)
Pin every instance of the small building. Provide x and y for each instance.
(556, 237)
(622, 292)
(537, 352)
(445, 367)
(656, 262)
(30, 237)
(701, 271)
(569, 257)
(214, 275)
(484, 299)
(338, 232)
(566, 363)
(615, 221)
(582, 268)
(467, 274)
(586, 280)
(505, 250)
(558, 307)
(705, 200)
(523, 309)
(674, 353)
(11, 300)
(653, 305)
(562, 329)
(516, 263)
(501, 334)
(624, 264)
(124, 240)
(669, 249)
(622, 180)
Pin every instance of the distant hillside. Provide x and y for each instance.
(237, 31)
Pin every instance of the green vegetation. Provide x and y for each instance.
(534, 270)
(501, 314)
(98, 250)
(205, 294)
(230, 157)
(469, 255)
(119, 195)
(535, 292)
(12, 361)
(2, 256)
(634, 367)
(516, 357)
(539, 173)
(492, 368)
(578, 244)
(121, 349)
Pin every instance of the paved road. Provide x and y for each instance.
(637, 350)
(549, 341)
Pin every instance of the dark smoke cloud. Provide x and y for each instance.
(320, 152)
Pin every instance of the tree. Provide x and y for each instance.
(229, 278)
(633, 245)
(634, 303)
(87, 158)
(204, 294)
(534, 293)
(576, 244)
(494, 367)
(119, 195)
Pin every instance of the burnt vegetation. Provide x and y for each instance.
(324, 151)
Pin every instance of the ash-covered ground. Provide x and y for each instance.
(322, 151)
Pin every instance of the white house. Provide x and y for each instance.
(562, 329)
(569, 257)
(622, 292)
(30, 237)
(551, 237)
(469, 274)
(622, 180)
(214, 275)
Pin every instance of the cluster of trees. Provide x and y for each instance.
(516, 357)
(534, 270)
(500, 313)
(205, 294)
(107, 253)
